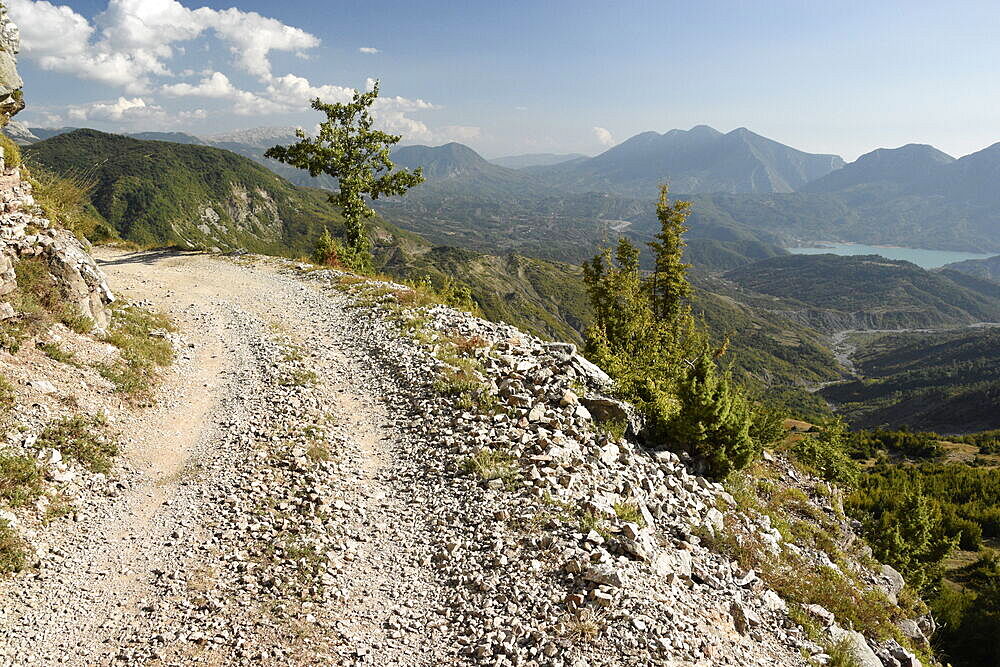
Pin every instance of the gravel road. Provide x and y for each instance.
(164, 572)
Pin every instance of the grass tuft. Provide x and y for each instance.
(81, 438)
(13, 550)
(490, 464)
(132, 331)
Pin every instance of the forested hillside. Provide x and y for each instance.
(833, 293)
(945, 381)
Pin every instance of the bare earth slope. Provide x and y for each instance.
(302, 496)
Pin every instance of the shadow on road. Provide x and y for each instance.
(148, 256)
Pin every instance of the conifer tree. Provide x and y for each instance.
(714, 421)
(348, 149)
(668, 283)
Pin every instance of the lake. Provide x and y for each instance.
(928, 259)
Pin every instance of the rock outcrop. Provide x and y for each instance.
(25, 231)
(11, 99)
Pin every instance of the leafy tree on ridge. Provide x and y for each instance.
(350, 150)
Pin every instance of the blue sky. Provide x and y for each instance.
(516, 77)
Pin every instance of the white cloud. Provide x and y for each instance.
(132, 45)
(137, 37)
(123, 109)
(218, 86)
(603, 136)
(132, 113)
(252, 37)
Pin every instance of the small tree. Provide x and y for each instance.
(645, 336)
(668, 283)
(714, 421)
(348, 149)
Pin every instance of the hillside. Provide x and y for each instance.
(833, 293)
(985, 269)
(156, 193)
(945, 382)
(699, 160)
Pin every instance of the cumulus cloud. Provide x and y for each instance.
(218, 86)
(603, 136)
(132, 43)
(133, 39)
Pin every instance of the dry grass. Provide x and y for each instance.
(132, 331)
(83, 439)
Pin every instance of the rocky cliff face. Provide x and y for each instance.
(11, 99)
(24, 229)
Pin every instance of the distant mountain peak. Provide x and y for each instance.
(260, 137)
(698, 160)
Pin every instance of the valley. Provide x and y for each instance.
(365, 334)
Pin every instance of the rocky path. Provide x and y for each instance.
(310, 489)
(268, 361)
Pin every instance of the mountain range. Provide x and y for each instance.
(701, 159)
(535, 159)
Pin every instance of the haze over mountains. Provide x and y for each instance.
(746, 189)
(535, 159)
(701, 159)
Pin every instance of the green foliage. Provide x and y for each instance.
(644, 335)
(11, 152)
(20, 479)
(825, 453)
(714, 421)
(905, 531)
(82, 439)
(968, 621)
(668, 283)
(868, 444)
(13, 550)
(349, 150)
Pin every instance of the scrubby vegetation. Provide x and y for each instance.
(81, 438)
(65, 200)
(20, 479)
(11, 152)
(139, 336)
(13, 550)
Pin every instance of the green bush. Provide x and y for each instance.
(714, 420)
(824, 453)
(20, 479)
(645, 337)
(13, 550)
